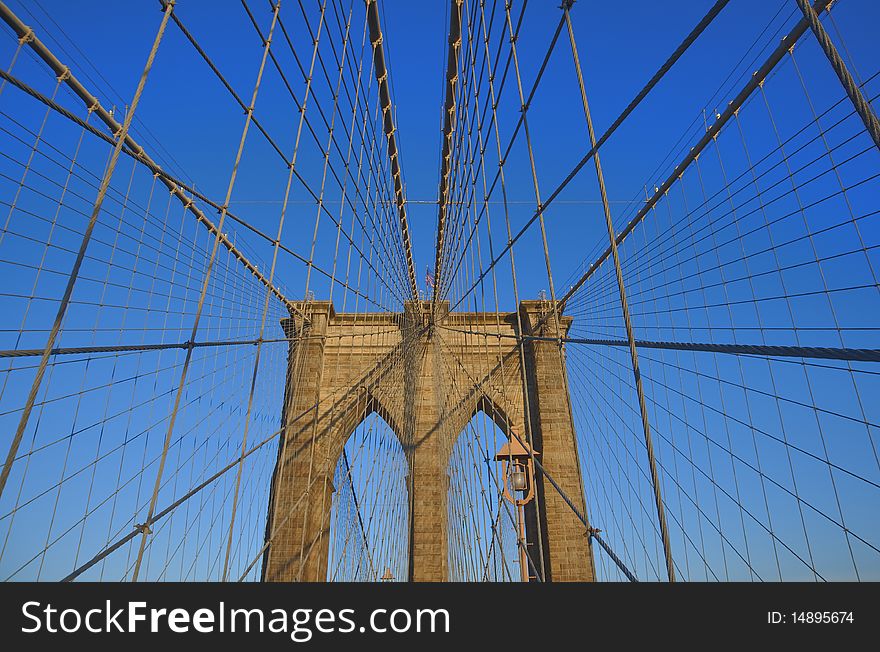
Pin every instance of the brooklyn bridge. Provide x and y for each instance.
(463, 290)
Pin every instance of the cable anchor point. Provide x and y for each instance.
(143, 528)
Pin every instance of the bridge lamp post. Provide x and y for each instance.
(518, 470)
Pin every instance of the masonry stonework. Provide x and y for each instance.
(344, 366)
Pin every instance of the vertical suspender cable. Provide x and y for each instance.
(84, 244)
(634, 356)
(145, 527)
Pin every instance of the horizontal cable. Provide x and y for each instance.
(84, 350)
(783, 351)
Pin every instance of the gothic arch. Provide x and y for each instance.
(339, 379)
(367, 404)
(486, 528)
(371, 469)
(474, 404)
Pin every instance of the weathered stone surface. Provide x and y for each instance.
(426, 383)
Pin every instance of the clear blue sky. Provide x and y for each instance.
(188, 122)
(621, 45)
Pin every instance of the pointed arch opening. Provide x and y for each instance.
(484, 530)
(369, 516)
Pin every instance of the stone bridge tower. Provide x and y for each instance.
(344, 366)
